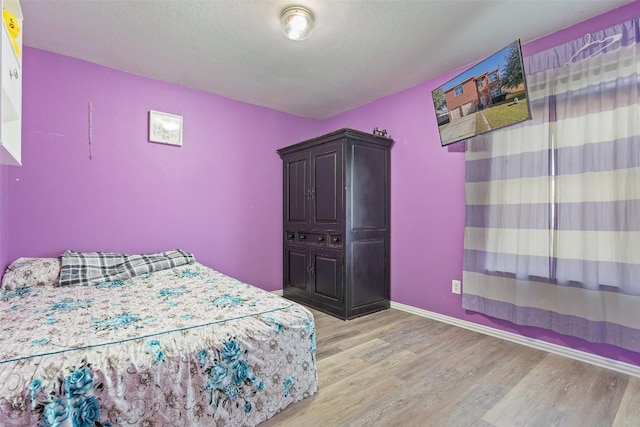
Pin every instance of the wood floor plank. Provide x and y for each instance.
(470, 408)
(629, 412)
(338, 337)
(351, 394)
(347, 363)
(450, 379)
(397, 369)
(575, 393)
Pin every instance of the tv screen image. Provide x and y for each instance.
(488, 96)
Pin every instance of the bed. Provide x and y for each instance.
(183, 346)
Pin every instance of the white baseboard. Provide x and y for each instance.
(582, 356)
(603, 362)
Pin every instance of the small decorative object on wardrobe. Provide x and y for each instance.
(383, 132)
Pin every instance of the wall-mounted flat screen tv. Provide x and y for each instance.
(488, 96)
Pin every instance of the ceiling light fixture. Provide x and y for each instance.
(296, 22)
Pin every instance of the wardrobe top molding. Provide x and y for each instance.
(337, 135)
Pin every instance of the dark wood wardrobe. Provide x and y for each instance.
(336, 222)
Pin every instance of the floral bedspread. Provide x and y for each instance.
(187, 346)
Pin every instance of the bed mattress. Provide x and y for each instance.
(186, 346)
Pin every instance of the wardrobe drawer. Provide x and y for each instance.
(312, 238)
(335, 239)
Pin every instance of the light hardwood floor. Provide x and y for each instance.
(398, 369)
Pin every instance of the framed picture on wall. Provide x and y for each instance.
(165, 128)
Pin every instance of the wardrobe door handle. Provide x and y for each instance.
(302, 237)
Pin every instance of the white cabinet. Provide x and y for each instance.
(11, 81)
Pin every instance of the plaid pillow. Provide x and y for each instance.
(87, 268)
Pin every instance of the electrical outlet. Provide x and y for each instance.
(455, 286)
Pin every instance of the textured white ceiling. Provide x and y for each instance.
(361, 50)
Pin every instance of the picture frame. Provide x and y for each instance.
(165, 128)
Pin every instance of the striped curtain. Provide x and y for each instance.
(552, 233)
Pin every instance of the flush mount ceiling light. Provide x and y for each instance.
(296, 22)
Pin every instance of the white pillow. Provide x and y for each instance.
(27, 272)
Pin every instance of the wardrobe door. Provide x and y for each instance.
(327, 279)
(296, 191)
(327, 201)
(296, 271)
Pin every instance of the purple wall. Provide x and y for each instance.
(218, 196)
(4, 216)
(427, 197)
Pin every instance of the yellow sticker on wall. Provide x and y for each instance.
(13, 26)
